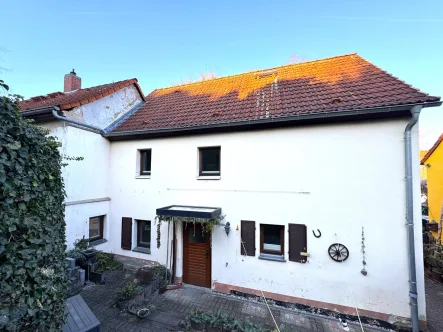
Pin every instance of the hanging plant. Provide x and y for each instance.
(208, 225)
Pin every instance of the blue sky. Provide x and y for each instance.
(170, 42)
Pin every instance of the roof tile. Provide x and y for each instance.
(76, 98)
(340, 83)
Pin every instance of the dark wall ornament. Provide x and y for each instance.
(319, 233)
(338, 252)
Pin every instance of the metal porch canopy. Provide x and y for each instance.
(202, 212)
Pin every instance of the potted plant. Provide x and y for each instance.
(216, 323)
(198, 320)
(125, 294)
(163, 286)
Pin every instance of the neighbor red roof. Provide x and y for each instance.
(69, 100)
(431, 151)
(341, 83)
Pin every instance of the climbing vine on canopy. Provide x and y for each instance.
(208, 225)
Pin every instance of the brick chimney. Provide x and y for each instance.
(72, 82)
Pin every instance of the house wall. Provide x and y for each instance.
(102, 112)
(336, 178)
(85, 180)
(435, 185)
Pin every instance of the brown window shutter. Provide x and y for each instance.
(126, 233)
(297, 242)
(247, 238)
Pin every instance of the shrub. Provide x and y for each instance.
(127, 292)
(106, 262)
(144, 275)
(32, 227)
(159, 271)
(81, 244)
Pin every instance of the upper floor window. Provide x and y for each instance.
(145, 162)
(209, 161)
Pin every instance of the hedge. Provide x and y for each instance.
(32, 225)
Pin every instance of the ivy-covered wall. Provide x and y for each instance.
(32, 226)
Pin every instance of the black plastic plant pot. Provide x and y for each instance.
(89, 253)
(96, 277)
(198, 326)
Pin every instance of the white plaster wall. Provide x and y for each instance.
(77, 220)
(84, 180)
(87, 178)
(101, 113)
(353, 175)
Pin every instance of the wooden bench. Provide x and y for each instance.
(80, 317)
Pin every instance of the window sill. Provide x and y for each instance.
(209, 177)
(97, 242)
(269, 257)
(142, 176)
(142, 250)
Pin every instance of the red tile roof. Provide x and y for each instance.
(69, 100)
(341, 83)
(431, 151)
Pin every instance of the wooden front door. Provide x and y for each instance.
(196, 256)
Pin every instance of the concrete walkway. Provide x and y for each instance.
(174, 305)
(434, 305)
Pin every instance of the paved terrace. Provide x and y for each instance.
(174, 305)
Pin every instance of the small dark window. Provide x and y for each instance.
(209, 161)
(96, 227)
(145, 162)
(272, 239)
(144, 233)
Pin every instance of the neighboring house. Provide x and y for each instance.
(423, 169)
(433, 162)
(282, 153)
(86, 181)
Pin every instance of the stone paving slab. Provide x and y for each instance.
(434, 305)
(174, 305)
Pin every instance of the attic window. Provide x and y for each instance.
(266, 73)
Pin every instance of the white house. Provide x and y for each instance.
(86, 181)
(306, 162)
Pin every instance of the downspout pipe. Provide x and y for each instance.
(415, 111)
(77, 123)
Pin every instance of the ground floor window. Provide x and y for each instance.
(96, 227)
(272, 239)
(144, 233)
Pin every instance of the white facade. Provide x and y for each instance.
(337, 178)
(86, 181)
(102, 112)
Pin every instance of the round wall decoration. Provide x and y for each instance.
(338, 252)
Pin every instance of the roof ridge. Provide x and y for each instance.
(83, 89)
(98, 86)
(260, 70)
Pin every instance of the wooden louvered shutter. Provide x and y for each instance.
(297, 242)
(247, 238)
(126, 233)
